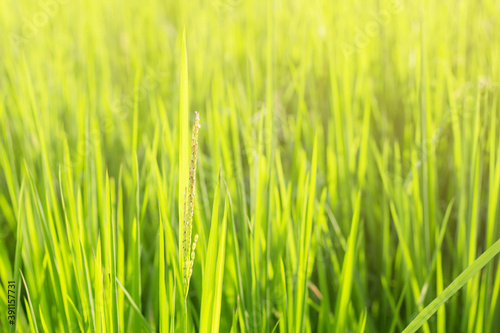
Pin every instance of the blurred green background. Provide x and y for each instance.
(357, 144)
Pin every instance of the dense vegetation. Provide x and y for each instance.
(345, 172)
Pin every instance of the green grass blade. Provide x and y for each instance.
(32, 312)
(458, 283)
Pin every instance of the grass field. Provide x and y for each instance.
(342, 173)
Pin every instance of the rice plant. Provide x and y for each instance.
(341, 173)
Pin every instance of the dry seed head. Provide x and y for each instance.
(188, 248)
(193, 249)
(193, 252)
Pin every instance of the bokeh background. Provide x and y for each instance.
(355, 144)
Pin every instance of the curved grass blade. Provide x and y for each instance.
(135, 307)
(458, 283)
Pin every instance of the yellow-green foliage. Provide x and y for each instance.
(345, 178)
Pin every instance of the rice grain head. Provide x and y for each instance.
(189, 193)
